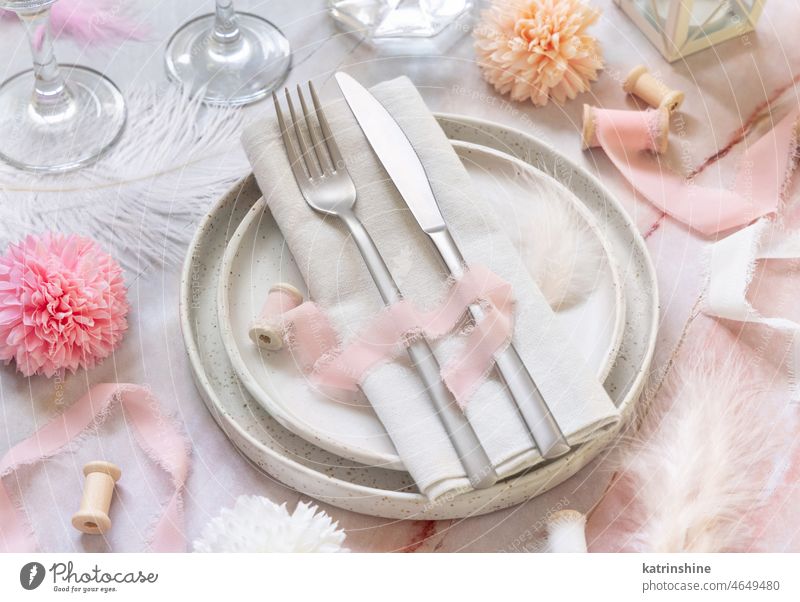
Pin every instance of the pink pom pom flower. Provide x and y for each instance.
(538, 49)
(62, 304)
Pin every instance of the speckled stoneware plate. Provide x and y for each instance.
(391, 493)
(257, 258)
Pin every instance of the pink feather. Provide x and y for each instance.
(93, 22)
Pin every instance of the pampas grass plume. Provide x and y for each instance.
(563, 260)
(696, 474)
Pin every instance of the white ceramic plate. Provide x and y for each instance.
(257, 258)
(389, 493)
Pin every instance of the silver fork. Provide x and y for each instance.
(327, 187)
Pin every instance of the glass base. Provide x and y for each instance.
(67, 137)
(229, 74)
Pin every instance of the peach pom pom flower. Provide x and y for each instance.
(62, 304)
(538, 49)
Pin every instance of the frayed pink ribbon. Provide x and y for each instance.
(157, 435)
(760, 177)
(314, 341)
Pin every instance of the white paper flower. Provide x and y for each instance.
(255, 524)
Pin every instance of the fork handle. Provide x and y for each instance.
(473, 457)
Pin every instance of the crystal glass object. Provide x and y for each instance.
(229, 57)
(679, 28)
(399, 18)
(55, 118)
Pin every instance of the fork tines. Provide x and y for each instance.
(319, 158)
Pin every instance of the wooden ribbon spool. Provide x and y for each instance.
(651, 90)
(639, 130)
(98, 489)
(266, 331)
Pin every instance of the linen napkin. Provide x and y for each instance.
(338, 280)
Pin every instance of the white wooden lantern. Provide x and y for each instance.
(679, 28)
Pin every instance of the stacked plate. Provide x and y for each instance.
(338, 452)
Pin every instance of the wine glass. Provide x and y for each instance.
(71, 116)
(232, 58)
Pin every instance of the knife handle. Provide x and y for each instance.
(473, 457)
(531, 405)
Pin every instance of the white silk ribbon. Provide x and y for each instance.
(732, 264)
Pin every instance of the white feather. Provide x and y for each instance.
(143, 198)
(696, 473)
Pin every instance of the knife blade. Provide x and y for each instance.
(401, 162)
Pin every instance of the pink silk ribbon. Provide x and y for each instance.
(760, 177)
(157, 435)
(313, 339)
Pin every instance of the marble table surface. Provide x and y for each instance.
(727, 89)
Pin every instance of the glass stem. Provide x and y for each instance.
(226, 30)
(50, 94)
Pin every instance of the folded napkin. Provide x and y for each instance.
(338, 280)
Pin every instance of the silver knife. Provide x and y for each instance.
(404, 167)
